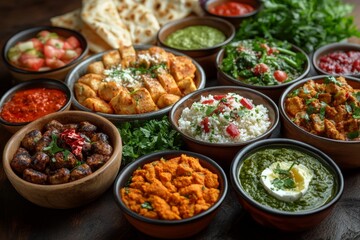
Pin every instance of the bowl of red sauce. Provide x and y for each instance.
(338, 59)
(43, 52)
(33, 99)
(234, 11)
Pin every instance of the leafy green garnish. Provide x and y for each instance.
(53, 148)
(332, 79)
(143, 137)
(285, 179)
(352, 135)
(147, 205)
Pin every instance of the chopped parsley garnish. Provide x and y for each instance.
(285, 179)
(147, 205)
(332, 79)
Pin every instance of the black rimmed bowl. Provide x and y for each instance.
(344, 153)
(273, 91)
(222, 153)
(81, 69)
(32, 84)
(170, 229)
(289, 221)
(60, 73)
(338, 58)
(204, 56)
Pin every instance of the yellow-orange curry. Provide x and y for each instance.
(171, 189)
(330, 108)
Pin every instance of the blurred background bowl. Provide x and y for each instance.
(81, 69)
(285, 220)
(204, 56)
(75, 193)
(207, 5)
(273, 91)
(344, 153)
(340, 56)
(20, 74)
(222, 153)
(32, 84)
(170, 229)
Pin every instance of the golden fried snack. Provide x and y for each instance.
(168, 83)
(111, 58)
(167, 99)
(97, 105)
(144, 102)
(182, 67)
(186, 85)
(108, 90)
(92, 80)
(83, 91)
(153, 86)
(123, 103)
(128, 56)
(96, 67)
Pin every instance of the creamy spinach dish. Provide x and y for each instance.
(287, 179)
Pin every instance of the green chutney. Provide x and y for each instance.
(322, 187)
(195, 37)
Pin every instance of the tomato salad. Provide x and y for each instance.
(46, 51)
(232, 9)
(263, 62)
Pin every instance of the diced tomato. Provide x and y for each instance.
(67, 46)
(33, 63)
(205, 124)
(356, 66)
(73, 41)
(43, 34)
(209, 101)
(54, 63)
(52, 52)
(246, 103)
(37, 44)
(219, 97)
(260, 68)
(232, 130)
(56, 43)
(280, 76)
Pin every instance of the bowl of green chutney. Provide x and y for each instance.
(286, 184)
(198, 37)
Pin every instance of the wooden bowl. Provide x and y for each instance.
(78, 192)
(170, 229)
(285, 221)
(21, 75)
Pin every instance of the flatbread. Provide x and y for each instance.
(95, 42)
(71, 20)
(102, 17)
(141, 22)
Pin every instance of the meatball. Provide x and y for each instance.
(96, 161)
(59, 176)
(51, 132)
(39, 161)
(53, 124)
(30, 139)
(34, 176)
(71, 126)
(42, 143)
(63, 161)
(20, 161)
(101, 148)
(87, 128)
(100, 137)
(80, 171)
(86, 149)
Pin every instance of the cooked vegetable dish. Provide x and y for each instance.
(171, 189)
(61, 153)
(262, 62)
(329, 109)
(130, 82)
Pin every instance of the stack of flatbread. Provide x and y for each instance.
(111, 24)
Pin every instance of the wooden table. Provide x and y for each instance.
(102, 219)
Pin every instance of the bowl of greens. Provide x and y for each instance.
(268, 66)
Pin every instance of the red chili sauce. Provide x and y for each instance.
(232, 9)
(30, 104)
(341, 62)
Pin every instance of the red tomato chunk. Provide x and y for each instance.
(47, 51)
(232, 9)
(341, 62)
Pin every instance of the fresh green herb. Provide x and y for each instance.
(332, 79)
(308, 24)
(357, 96)
(285, 179)
(147, 205)
(353, 135)
(322, 110)
(53, 148)
(142, 137)
(310, 100)
(356, 112)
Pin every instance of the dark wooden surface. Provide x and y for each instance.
(102, 219)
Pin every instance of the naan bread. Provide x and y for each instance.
(102, 17)
(70, 20)
(140, 21)
(95, 42)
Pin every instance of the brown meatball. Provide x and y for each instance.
(53, 124)
(30, 139)
(100, 137)
(59, 176)
(96, 161)
(51, 132)
(20, 161)
(42, 143)
(80, 171)
(86, 149)
(101, 148)
(34, 176)
(39, 161)
(87, 128)
(70, 126)
(62, 161)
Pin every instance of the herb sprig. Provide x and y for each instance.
(285, 179)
